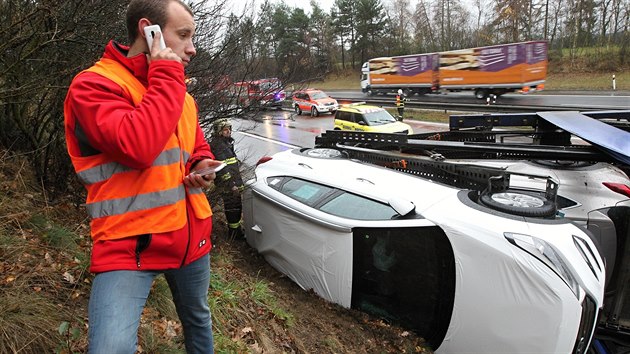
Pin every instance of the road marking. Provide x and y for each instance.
(590, 96)
(269, 140)
(598, 106)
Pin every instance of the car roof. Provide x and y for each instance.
(372, 181)
(307, 90)
(359, 108)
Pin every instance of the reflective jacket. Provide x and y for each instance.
(230, 176)
(400, 101)
(132, 135)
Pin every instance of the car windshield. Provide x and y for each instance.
(378, 117)
(318, 95)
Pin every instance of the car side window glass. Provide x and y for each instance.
(303, 191)
(352, 206)
(332, 200)
(341, 115)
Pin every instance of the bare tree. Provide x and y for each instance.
(452, 24)
(43, 44)
(400, 15)
(424, 32)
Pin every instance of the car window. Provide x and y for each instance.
(332, 200)
(358, 118)
(303, 191)
(352, 206)
(318, 95)
(341, 115)
(379, 117)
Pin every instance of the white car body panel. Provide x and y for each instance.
(506, 300)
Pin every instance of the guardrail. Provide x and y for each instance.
(465, 107)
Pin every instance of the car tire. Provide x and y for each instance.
(314, 112)
(298, 111)
(333, 112)
(481, 93)
(519, 203)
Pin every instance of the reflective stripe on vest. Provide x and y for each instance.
(230, 161)
(400, 102)
(102, 172)
(124, 202)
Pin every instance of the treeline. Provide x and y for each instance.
(44, 43)
(356, 30)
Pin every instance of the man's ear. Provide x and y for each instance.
(141, 25)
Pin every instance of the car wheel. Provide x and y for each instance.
(333, 112)
(519, 203)
(314, 112)
(481, 93)
(298, 111)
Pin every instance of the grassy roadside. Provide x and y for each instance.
(45, 280)
(45, 286)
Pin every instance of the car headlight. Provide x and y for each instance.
(546, 253)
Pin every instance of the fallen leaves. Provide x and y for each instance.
(69, 278)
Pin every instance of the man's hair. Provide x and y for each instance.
(154, 10)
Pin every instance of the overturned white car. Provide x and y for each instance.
(422, 250)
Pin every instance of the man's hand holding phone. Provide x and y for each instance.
(210, 170)
(157, 46)
(204, 173)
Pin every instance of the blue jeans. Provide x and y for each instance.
(118, 298)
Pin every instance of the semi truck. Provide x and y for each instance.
(491, 70)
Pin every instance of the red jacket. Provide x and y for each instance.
(101, 119)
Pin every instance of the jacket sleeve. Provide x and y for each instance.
(202, 150)
(133, 136)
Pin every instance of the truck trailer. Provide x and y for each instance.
(491, 70)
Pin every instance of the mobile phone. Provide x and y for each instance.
(150, 31)
(211, 169)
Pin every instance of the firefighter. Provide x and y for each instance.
(400, 104)
(228, 181)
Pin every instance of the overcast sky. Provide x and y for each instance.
(306, 4)
(326, 5)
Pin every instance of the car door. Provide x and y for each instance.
(359, 122)
(303, 102)
(343, 121)
(313, 253)
(308, 102)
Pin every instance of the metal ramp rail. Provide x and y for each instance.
(476, 145)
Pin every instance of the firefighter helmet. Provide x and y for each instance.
(220, 124)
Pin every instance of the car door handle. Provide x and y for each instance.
(257, 229)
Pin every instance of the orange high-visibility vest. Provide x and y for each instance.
(124, 202)
(400, 101)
